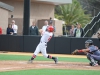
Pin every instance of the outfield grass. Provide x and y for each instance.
(39, 58)
(51, 72)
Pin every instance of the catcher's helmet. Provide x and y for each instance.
(50, 28)
(88, 43)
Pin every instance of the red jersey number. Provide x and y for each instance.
(49, 38)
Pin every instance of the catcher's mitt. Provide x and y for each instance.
(75, 52)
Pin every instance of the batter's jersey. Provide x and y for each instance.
(46, 36)
(94, 50)
(44, 28)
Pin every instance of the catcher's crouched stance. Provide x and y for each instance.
(46, 36)
(93, 53)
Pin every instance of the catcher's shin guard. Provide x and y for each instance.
(93, 62)
(98, 62)
(90, 64)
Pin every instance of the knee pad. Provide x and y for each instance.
(88, 56)
(91, 59)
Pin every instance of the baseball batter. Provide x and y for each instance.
(93, 53)
(46, 36)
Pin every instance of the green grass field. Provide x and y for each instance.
(39, 58)
(46, 71)
(51, 72)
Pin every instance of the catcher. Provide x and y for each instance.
(92, 52)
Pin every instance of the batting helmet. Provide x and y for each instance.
(50, 28)
(88, 43)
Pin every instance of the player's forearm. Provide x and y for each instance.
(83, 50)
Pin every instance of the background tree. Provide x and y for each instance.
(92, 6)
(72, 13)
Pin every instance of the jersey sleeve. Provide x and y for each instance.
(93, 48)
(42, 27)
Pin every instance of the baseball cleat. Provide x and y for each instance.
(95, 65)
(91, 64)
(56, 60)
(30, 61)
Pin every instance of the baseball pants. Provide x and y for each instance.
(94, 57)
(41, 48)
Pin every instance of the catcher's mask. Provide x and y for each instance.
(88, 43)
(50, 29)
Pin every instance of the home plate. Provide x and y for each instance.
(22, 62)
(87, 66)
(45, 65)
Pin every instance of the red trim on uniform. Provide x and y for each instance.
(34, 56)
(50, 57)
(49, 38)
(0, 30)
(80, 51)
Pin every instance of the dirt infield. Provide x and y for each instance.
(23, 65)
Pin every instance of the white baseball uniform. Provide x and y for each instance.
(44, 28)
(43, 43)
